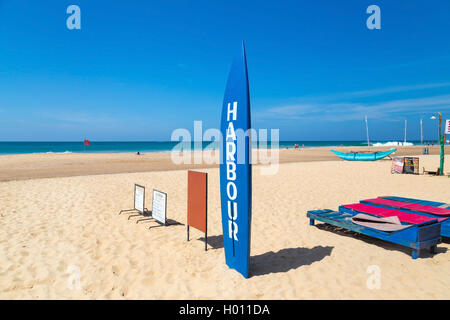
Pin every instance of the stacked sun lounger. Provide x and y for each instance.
(415, 230)
(437, 210)
(424, 202)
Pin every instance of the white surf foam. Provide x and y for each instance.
(392, 144)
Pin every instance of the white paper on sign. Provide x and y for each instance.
(139, 193)
(447, 126)
(159, 206)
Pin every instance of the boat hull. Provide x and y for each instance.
(370, 156)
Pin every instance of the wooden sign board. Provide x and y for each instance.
(197, 202)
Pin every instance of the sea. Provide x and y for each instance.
(161, 146)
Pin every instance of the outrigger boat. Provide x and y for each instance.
(363, 156)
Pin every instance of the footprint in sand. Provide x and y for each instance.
(115, 270)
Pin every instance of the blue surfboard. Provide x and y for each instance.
(235, 168)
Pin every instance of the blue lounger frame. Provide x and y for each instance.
(445, 225)
(417, 237)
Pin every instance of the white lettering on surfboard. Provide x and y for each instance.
(230, 158)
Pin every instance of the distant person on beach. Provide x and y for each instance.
(426, 150)
(138, 153)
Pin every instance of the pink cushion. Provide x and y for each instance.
(411, 206)
(384, 212)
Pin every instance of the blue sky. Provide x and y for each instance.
(137, 70)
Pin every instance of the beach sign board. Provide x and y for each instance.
(139, 198)
(447, 126)
(411, 165)
(197, 203)
(235, 167)
(397, 165)
(408, 165)
(159, 206)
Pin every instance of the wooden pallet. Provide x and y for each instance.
(417, 237)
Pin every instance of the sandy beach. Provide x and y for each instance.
(52, 165)
(59, 221)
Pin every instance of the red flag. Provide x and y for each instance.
(87, 142)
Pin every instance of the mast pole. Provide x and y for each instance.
(404, 143)
(367, 132)
(421, 131)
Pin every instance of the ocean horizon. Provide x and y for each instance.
(27, 147)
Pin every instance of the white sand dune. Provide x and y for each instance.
(51, 226)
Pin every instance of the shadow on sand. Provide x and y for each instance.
(156, 224)
(378, 242)
(216, 242)
(281, 261)
(287, 259)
